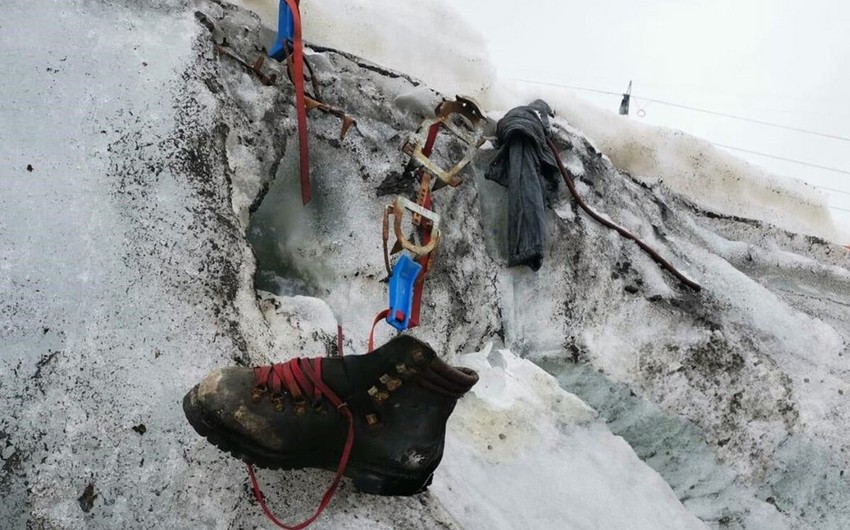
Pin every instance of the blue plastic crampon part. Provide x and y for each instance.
(285, 32)
(402, 279)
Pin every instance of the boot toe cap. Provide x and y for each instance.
(220, 407)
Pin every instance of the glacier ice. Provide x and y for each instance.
(126, 274)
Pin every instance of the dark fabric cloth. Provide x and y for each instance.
(524, 165)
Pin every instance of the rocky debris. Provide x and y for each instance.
(87, 498)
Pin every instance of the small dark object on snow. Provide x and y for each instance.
(624, 104)
(140, 428)
(525, 166)
(86, 500)
(29, 168)
(399, 397)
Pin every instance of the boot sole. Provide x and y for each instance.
(371, 481)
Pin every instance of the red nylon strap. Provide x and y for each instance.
(431, 140)
(419, 285)
(382, 315)
(300, 103)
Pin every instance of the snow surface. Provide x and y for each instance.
(126, 275)
(427, 40)
(521, 450)
(431, 41)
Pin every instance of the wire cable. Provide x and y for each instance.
(753, 120)
(827, 168)
(698, 109)
(760, 122)
(845, 192)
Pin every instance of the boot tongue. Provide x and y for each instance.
(334, 375)
(447, 380)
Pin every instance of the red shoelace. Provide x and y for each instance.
(302, 379)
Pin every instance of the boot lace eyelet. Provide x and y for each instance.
(258, 392)
(378, 396)
(279, 401)
(390, 382)
(418, 356)
(300, 407)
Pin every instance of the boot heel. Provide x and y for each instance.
(374, 484)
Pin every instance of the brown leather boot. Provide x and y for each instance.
(387, 408)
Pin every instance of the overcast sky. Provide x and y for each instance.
(780, 61)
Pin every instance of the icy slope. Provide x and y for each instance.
(521, 449)
(427, 40)
(695, 168)
(431, 41)
(125, 276)
(752, 370)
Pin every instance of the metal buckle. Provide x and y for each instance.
(399, 206)
(469, 129)
(396, 209)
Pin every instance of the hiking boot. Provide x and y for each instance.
(384, 413)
